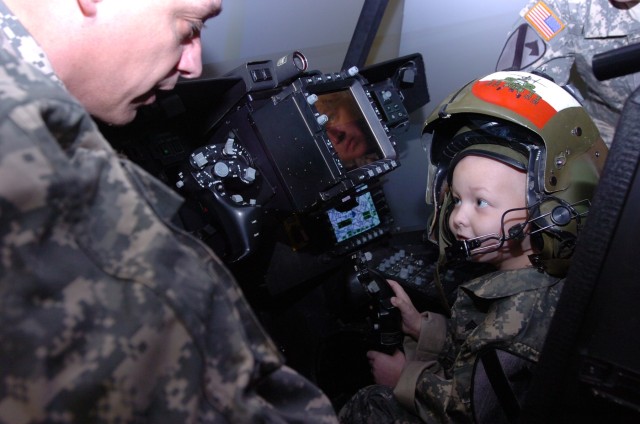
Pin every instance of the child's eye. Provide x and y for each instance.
(456, 200)
(482, 203)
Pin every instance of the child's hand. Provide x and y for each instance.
(411, 318)
(386, 369)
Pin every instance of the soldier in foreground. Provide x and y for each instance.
(108, 313)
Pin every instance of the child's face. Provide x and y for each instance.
(483, 189)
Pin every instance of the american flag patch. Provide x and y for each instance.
(543, 20)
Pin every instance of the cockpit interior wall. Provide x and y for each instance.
(249, 30)
(458, 40)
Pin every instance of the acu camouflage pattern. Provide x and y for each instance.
(14, 37)
(108, 313)
(511, 310)
(592, 27)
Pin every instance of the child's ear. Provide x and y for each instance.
(88, 7)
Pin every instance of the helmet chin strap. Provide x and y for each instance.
(461, 250)
(561, 215)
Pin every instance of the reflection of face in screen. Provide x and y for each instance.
(346, 129)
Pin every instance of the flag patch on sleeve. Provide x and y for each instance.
(544, 21)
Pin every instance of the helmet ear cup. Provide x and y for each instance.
(558, 223)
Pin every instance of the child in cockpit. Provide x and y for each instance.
(515, 162)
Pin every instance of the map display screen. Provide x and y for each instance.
(359, 219)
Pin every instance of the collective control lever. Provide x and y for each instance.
(385, 318)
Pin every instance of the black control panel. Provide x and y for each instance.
(279, 166)
(414, 267)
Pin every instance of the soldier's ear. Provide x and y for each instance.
(88, 7)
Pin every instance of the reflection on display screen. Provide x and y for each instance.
(347, 129)
(361, 218)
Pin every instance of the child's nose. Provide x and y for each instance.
(459, 217)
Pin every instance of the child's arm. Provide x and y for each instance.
(411, 318)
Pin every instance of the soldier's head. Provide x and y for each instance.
(114, 56)
(519, 134)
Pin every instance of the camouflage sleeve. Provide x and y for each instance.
(434, 343)
(430, 340)
(542, 39)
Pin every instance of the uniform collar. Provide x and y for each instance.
(15, 38)
(507, 283)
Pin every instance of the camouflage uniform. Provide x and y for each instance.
(108, 313)
(511, 310)
(578, 30)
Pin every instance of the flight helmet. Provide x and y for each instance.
(533, 124)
